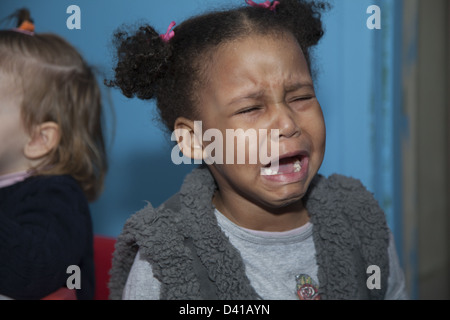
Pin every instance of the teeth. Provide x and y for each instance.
(273, 172)
(268, 172)
(297, 166)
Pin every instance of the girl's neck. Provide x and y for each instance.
(252, 216)
(13, 178)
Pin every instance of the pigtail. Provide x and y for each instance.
(142, 60)
(304, 19)
(21, 19)
(22, 15)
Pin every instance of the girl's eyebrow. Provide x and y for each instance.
(251, 95)
(298, 85)
(258, 94)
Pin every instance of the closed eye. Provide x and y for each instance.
(303, 98)
(249, 110)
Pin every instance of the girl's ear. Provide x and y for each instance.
(188, 140)
(44, 138)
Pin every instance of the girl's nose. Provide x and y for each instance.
(285, 121)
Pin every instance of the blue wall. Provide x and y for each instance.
(357, 87)
(361, 94)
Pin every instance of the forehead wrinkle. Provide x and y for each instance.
(255, 95)
(250, 84)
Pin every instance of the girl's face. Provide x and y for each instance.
(13, 136)
(262, 82)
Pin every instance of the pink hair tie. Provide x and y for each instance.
(169, 33)
(266, 5)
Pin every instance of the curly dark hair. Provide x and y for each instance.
(172, 72)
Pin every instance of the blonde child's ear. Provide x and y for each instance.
(44, 138)
(188, 140)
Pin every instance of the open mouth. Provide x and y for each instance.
(287, 165)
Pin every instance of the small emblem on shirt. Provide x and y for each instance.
(307, 289)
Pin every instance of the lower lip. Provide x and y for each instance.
(293, 177)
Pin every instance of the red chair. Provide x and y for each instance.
(103, 250)
(62, 294)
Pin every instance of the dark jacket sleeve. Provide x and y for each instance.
(41, 235)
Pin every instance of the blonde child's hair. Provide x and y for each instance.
(56, 84)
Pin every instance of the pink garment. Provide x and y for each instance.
(13, 178)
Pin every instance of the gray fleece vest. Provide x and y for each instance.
(193, 259)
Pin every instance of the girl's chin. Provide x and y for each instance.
(272, 191)
(286, 190)
(279, 201)
(281, 195)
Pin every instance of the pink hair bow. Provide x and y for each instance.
(169, 33)
(266, 5)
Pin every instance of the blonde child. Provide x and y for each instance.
(52, 162)
(275, 230)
